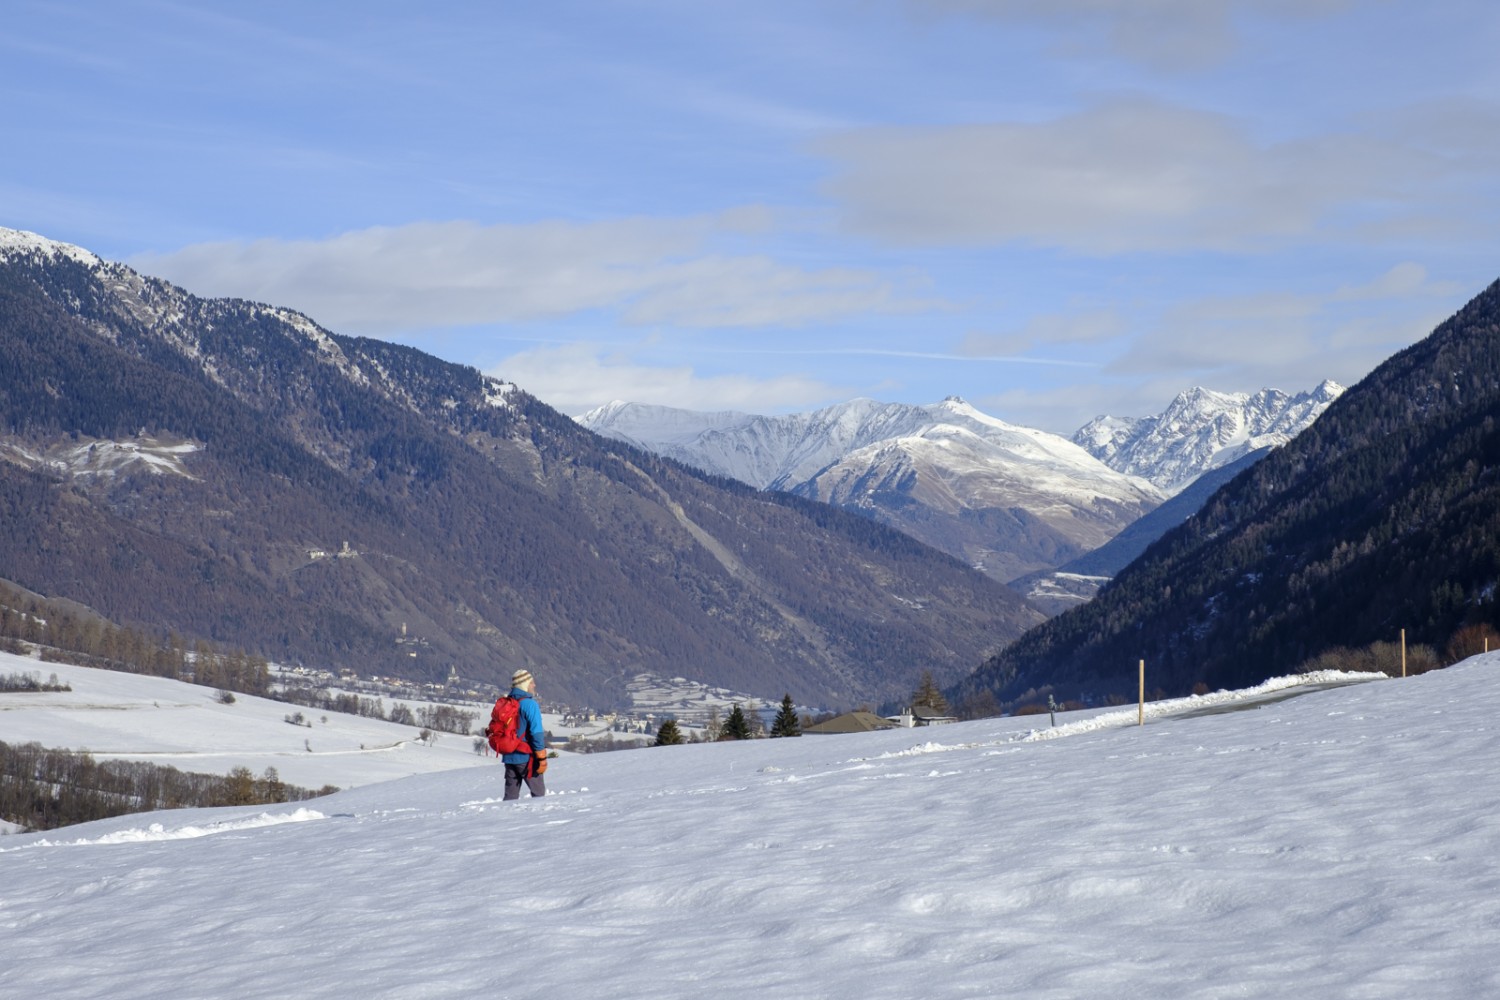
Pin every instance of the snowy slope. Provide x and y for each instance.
(17, 243)
(996, 461)
(768, 452)
(118, 716)
(782, 452)
(1202, 430)
(1340, 844)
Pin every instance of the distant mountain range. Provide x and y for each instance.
(233, 470)
(1202, 430)
(1007, 500)
(1014, 502)
(1382, 516)
(1079, 579)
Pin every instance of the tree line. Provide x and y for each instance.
(65, 636)
(444, 718)
(43, 789)
(31, 682)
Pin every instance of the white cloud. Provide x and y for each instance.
(1405, 280)
(1091, 327)
(1245, 342)
(1173, 35)
(758, 291)
(577, 377)
(1064, 409)
(428, 275)
(1130, 175)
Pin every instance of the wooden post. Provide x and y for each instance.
(1141, 721)
(1403, 652)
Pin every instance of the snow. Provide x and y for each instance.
(117, 716)
(159, 831)
(1337, 844)
(497, 393)
(96, 457)
(781, 452)
(1201, 430)
(19, 242)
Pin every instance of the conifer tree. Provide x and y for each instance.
(736, 727)
(928, 696)
(786, 723)
(668, 735)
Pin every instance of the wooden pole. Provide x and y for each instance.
(1141, 721)
(1403, 652)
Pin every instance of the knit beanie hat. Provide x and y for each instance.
(520, 678)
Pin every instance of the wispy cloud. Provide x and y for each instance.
(1010, 358)
(1140, 175)
(1240, 343)
(579, 376)
(1091, 327)
(1247, 341)
(383, 280)
(1170, 35)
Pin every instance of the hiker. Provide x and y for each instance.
(527, 764)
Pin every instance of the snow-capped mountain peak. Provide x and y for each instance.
(1202, 429)
(1001, 497)
(16, 243)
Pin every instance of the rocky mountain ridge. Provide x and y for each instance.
(1202, 430)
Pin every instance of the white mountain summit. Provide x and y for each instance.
(1202, 430)
(1006, 499)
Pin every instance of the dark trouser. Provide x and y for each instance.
(515, 774)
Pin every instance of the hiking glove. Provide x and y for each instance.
(540, 767)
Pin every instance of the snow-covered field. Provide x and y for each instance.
(126, 716)
(1339, 844)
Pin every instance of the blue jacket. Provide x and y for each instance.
(528, 727)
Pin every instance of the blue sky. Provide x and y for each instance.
(1053, 208)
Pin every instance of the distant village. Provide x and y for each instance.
(697, 708)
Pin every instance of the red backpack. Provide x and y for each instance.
(503, 731)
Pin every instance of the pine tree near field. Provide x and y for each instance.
(786, 722)
(928, 696)
(736, 727)
(668, 735)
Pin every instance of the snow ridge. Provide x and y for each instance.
(944, 473)
(1202, 430)
(18, 243)
(783, 452)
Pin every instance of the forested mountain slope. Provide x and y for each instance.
(1383, 515)
(232, 470)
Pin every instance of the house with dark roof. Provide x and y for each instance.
(852, 722)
